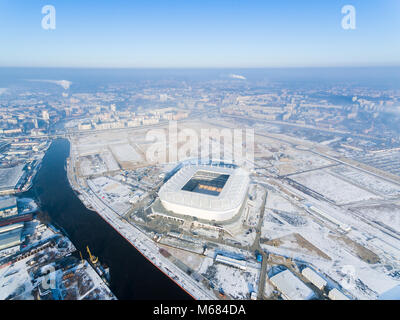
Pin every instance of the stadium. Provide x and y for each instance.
(206, 192)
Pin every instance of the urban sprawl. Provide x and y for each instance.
(313, 214)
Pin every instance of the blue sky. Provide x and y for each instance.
(191, 33)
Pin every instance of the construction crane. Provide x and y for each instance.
(82, 261)
(93, 259)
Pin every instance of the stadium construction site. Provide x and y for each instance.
(222, 232)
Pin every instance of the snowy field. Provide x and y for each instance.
(117, 195)
(333, 188)
(92, 165)
(15, 280)
(307, 160)
(277, 202)
(237, 283)
(109, 160)
(386, 214)
(292, 161)
(209, 233)
(368, 181)
(126, 153)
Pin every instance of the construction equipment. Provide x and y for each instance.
(93, 259)
(82, 261)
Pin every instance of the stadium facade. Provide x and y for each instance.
(206, 192)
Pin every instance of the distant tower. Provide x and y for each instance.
(35, 123)
(163, 97)
(113, 107)
(45, 115)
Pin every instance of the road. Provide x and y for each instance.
(256, 247)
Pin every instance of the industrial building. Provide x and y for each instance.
(335, 294)
(10, 223)
(240, 264)
(8, 207)
(9, 213)
(9, 178)
(291, 287)
(11, 237)
(314, 278)
(206, 192)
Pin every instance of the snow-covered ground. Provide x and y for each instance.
(387, 214)
(117, 195)
(109, 161)
(368, 181)
(363, 280)
(237, 283)
(333, 188)
(126, 153)
(277, 202)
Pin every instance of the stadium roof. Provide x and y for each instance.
(231, 195)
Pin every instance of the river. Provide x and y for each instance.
(132, 276)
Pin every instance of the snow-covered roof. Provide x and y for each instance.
(335, 294)
(231, 195)
(9, 177)
(292, 288)
(6, 203)
(314, 278)
(241, 264)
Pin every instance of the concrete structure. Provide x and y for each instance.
(45, 115)
(240, 264)
(206, 192)
(314, 278)
(8, 207)
(11, 227)
(10, 239)
(9, 178)
(291, 287)
(335, 294)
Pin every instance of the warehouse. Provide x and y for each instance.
(335, 294)
(10, 239)
(9, 178)
(291, 287)
(314, 278)
(8, 207)
(240, 264)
